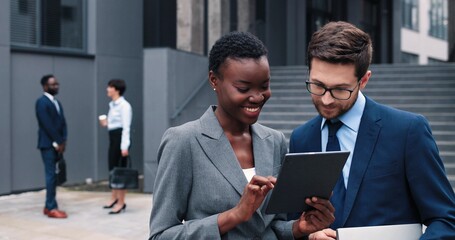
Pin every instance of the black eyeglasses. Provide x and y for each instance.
(337, 93)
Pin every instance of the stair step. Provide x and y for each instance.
(387, 100)
(446, 146)
(448, 92)
(450, 168)
(307, 95)
(392, 78)
(427, 107)
(451, 179)
(300, 82)
(443, 126)
(420, 89)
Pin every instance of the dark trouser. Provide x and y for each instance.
(115, 154)
(49, 156)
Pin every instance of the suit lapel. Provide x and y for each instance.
(366, 142)
(263, 154)
(219, 151)
(52, 105)
(310, 138)
(263, 151)
(314, 145)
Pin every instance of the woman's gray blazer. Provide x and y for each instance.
(199, 177)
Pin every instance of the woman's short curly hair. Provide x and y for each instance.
(235, 45)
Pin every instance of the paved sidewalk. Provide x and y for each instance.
(21, 217)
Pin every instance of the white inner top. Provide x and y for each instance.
(249, 173)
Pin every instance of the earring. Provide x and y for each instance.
(214, 89)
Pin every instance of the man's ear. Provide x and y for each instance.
(364, 79)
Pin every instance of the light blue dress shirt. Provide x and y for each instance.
(347, 134)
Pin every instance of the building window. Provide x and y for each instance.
(438, 19)
(409, 58)
(434, 61)
(49, 24)
(321, 13)
(410, 14)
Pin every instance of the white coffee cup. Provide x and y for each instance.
(103, 120)
(102, 117)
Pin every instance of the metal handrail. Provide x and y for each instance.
(189, 98)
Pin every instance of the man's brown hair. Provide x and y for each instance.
(341, 42)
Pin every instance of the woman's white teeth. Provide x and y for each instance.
(252, 109)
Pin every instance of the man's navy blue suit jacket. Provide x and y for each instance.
(52, 124)
(396, 175)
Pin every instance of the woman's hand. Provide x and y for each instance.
(253, 195)
(125, 153)
(61, 148)
(326, 234)
(316, 219)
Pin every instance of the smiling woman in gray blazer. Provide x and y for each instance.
(211, 181)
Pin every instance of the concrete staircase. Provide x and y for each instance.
(425, 89)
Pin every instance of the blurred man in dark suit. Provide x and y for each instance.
(51, 139)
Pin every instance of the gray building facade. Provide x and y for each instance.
(113, 49)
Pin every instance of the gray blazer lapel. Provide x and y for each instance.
(263, 151)
(370, 127)
(219, 151)
(263, 155)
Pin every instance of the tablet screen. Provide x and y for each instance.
(305, 175)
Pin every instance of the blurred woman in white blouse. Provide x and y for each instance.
(118, 122)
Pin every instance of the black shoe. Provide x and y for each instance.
(119, 211)
(110, 206)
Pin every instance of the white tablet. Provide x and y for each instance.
(305, 175)
(400, 231)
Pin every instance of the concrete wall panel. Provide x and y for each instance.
(5, 99)
(5, 120)
(156, 114)
(170, 78)
(119, 28)
(4, 23)
(76, 77)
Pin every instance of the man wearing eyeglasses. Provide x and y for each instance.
(52, 135)
(394, 174)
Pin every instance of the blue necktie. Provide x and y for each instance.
(332, 143)
(339, 192)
